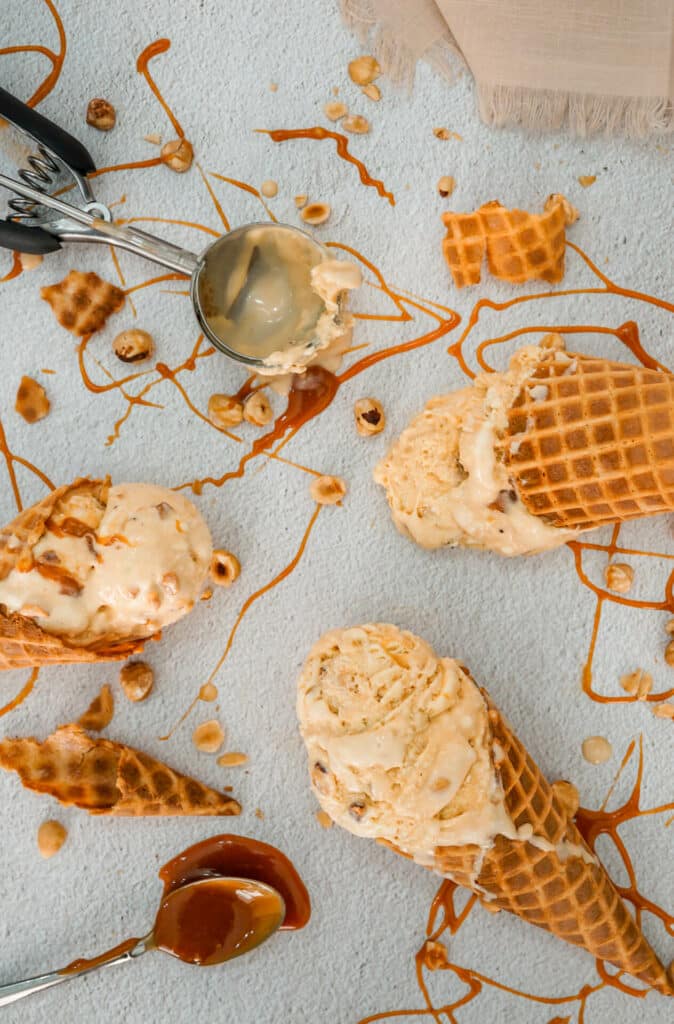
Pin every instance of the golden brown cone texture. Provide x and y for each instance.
(23, 644)
(103, 777)
(519, 246)
(571, 898)
(598, 448)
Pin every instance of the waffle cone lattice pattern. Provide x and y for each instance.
(592, 442)
(561, 888)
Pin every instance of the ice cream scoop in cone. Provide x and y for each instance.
(93, 569)
(405, 748)
(523, 460)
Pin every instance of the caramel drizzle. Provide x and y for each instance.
(55, 59)
(342, 144)
(24, 692)
(445, 918)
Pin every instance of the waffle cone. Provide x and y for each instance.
(24, 644)
(104, 777)
(560, 887)
(594, 443)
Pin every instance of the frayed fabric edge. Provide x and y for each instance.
(581, 114)
(397, 60)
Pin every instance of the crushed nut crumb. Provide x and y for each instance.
(259, 813)
(51, 836)
(370, 417)
(639, 683)
(316, 213)
(446, 185)
(178, 155)
(233, 759)
(334, 111)
(257, 409)
(133, 346)
(669, 627)
(101, 114)
(208, 737)
(137, 680)
(568, 796)
(356, 124)
(269, 188)
(665, 710)
(619, 577)
(364, 70)
(323, 819)
(273, 87)
(225, 567)
(154, 138)
(31, 400)
(372, 91)
(225, 411)
(327, 490)
(301, 200)
(441, 133)
(585, 180)
(669, 653)
(30, 260)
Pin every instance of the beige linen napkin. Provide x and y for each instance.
(585, 65)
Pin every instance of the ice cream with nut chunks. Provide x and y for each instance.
(444, 480)
(111, 562)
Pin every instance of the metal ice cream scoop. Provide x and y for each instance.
(251, 288)
(205, 922)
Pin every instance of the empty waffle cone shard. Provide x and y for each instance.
(591, 441)
(553, 881)
(519, 246)
(104, 777)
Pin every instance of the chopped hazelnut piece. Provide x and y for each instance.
(137, 680)
(269, 188)
(323, 819)
(619, 577)
(333, 111)
(208, 693)
(259, 813)
(373, 92)
(596, 749)
(316, 213)
(133, 346)
(257, 409)
(639, 684)
(585, 180)
(225, 411)
(327, 490)
(364, 70)
(225, 567)
(101, 115)
(567, 794)
(669, 653)
(356, 124)
(446, 185)
(30, 260)
(434, 955)
(370, 416)
(207, 594)
(208, 737)
(51, 836)
(665, 710)
(301, 200)
(233, 759)
(154, 138)
(31, 400)
(178, 155)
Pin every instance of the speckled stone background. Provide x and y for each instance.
(523, 626)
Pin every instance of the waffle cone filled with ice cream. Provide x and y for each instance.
(91, 571)
(523, 460)
(406, 749)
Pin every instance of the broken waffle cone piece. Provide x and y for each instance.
(99, 713)
(519, 246)
(83, 302)
(103, 777)
(591, 441)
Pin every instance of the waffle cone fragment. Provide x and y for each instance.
(519, 246)
(563, 888)
(593, 443)
(103, 777)
(23, 644)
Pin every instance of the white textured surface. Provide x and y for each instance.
(522, 626)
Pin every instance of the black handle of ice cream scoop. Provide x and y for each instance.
(46, 133)
(20, 238)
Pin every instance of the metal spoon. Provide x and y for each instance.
(230, 917)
